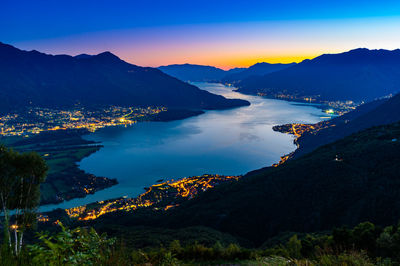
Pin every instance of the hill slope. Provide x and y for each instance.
(359, 74)
(34, 78)
(312, 193)
(352, 180)
(379, 112)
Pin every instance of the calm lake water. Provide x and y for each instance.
(230, 142)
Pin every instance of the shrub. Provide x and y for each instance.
(77, 246)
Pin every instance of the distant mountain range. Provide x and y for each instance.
(258, 69)
(342, 175)
(359, 74)
(189, 72)
(37, 79)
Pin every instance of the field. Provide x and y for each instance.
(62, 150)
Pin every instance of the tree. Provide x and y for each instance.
(343, 238)
(77, 246)
(365, 235)
(293, 246)
(20, 179)
(7, 172)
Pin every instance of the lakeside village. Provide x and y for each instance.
(160, 197)
(329, 107)
(298, 130)
(35, 120)
(169, 194)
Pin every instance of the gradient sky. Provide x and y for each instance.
(221, 33)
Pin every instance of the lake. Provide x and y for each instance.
(230, 142)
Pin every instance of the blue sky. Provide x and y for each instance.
(222, 33)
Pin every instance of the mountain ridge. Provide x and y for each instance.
(258, 69)
(31, 78)
(193, 72)
(375, 113)
(300, 195)
(360, 74)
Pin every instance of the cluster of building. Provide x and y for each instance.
(35, 120)
(162, 196)
(289, 97)
(333, 107)
(298, 130)
(341, 107)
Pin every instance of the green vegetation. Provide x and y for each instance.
(375, 113)
(20, 178)
(244, 222)
(344, 183)
(78, 246)
(62, 150)
(307, 211)
(365, 244)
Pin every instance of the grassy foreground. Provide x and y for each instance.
(365, 244)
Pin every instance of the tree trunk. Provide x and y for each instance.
(6, 220)
(20, 241)
(16, 241)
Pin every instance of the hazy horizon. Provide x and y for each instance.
(218, 33)
(190, 63)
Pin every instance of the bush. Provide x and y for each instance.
(77, 246)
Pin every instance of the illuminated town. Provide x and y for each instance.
(162, 196)
(35, 120)
(298, 130)
(330, 107)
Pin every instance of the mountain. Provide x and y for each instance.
(375, 113)
(350, 176)
(353, 180)
(258, 69)
(36, 79)
(188, 72)
(359, 74)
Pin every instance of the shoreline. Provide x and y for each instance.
(63, 149)
(329, 107)
(178, 115)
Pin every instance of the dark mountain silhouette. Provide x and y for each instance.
(350, 176)
(353, 180)
(258, 69)
(37, 79)
(359, 74)
(375, 113)
(81, 56)
(189, 72)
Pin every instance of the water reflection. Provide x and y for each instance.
(230, 142)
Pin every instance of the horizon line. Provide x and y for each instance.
(300, 58)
